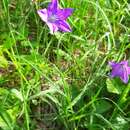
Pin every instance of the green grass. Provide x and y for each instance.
(61, 81)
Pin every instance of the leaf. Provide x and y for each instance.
(3, 62)
(9, 42)
(102, 106)
(3, 91)
(17, 94)
(6, 118)
(114, 86)
(121, 123)
(62, 53)
(8, 111)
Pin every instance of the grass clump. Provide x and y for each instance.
(61, 81)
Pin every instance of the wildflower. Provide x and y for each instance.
(121, 70)
(55, 17)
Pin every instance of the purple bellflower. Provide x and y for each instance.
(55, 17)
(121, 70)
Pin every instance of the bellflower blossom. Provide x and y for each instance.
(55, 17)
(121, 70)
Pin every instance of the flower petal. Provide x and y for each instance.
(43, 14)
(117, 71)
(53, 27)
(121, 70)
(63, 14)
(125, 77)
(53, 6)
(125, 62)
(112, 64)
(129, 70)
(63, 26)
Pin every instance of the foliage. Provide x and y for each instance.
(62, 81)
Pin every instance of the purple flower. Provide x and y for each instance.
(55, 17)
(121, 70)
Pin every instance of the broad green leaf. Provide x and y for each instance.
(102, 106)
(114, 86)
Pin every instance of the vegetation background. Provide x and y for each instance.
(61, 81)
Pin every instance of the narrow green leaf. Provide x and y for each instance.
(6, 118)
